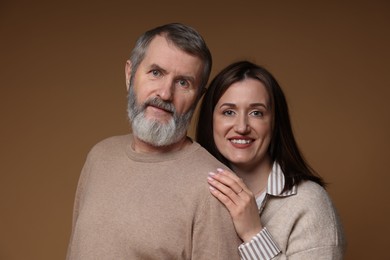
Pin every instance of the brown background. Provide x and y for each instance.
(62, 89)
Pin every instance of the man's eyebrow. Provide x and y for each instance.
(157, 67)
(154, 66)
(189, 78)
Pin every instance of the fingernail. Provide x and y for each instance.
(211, 173)
(210, 179)
(211, 188)
(219, 170)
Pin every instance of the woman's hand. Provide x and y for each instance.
(229, 189)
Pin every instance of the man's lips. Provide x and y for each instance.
(159, 105)
(159, 108)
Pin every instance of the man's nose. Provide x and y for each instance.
(165, 91)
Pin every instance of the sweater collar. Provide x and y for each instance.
(160, 157)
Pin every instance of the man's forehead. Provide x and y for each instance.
(166, 55)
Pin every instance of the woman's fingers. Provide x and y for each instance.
(235, 196)
(229, 180)
(229, 174)
(230, 190)
(223, 187)
(229, 204)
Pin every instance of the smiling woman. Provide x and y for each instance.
(242, 124)
(278, 204)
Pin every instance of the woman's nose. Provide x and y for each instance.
(242, 125)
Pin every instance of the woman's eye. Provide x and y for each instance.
(228, 112)
(257, 113)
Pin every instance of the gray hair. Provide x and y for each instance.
(183, 37)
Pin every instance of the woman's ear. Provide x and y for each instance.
(128, 74)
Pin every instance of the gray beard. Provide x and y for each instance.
(152, 131)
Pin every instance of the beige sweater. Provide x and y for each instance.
(305, 226)
(143, 206)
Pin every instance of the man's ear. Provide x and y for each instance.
(128, 73)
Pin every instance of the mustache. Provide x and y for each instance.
(159, 103)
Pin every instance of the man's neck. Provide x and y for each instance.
(140, 146)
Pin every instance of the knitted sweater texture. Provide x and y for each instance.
(145, 206)
(306, 225)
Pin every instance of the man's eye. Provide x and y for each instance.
(183, 83)
(156, 73)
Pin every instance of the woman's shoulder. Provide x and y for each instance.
(309, 219)
(311, 194)
(311, 205)
(311, 188)
(309, 198)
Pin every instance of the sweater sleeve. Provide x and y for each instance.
(78, 200)
(214, 236)
(261, 246)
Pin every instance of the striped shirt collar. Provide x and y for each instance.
(276, 183)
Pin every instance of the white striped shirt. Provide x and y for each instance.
(262, 245)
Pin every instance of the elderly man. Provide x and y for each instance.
(144, 195)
